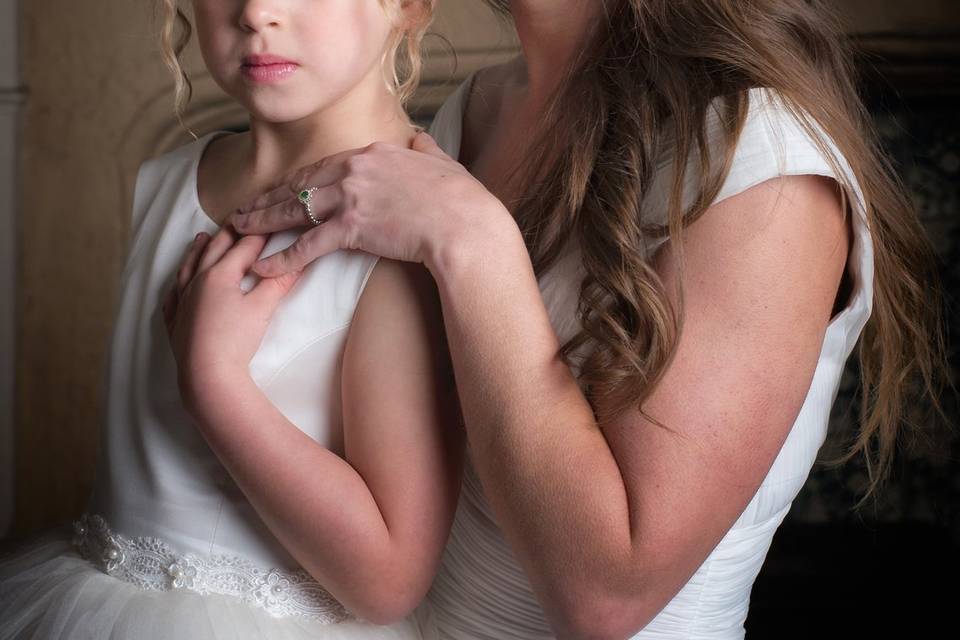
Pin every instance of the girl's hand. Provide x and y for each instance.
(213, 325)
(414, 205)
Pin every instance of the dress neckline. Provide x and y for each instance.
(194, 190)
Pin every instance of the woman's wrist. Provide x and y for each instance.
(490, 233)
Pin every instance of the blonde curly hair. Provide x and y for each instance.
(402, 60)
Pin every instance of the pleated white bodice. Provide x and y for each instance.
(482, 593)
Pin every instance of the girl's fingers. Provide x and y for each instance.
(189, 265)
(217, 246)
(270, 291)
(243, 254)
(288, 214)
(308, 247)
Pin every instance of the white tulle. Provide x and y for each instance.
(49, 592)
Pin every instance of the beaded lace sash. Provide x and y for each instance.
(151, 564)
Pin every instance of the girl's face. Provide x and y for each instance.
(287, 59)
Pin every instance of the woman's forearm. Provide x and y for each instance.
(314, 501)
(545, 467)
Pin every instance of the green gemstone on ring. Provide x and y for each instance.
(303, 195)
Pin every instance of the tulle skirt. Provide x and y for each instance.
(49, 592)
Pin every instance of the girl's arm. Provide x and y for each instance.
(370, 527)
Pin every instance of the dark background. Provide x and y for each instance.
(889, 569)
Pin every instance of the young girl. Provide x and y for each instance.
(676, 227)
(300, 484)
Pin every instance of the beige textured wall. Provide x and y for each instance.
(99, 103)
(84, 66)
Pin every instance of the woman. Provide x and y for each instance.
(684, 202)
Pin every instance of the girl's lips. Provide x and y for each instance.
(268, 73)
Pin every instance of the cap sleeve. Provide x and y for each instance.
(773, 143)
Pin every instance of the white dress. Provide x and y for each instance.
(481, 591)
(169, 546)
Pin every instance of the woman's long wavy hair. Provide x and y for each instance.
(402, 58)
(641, 83)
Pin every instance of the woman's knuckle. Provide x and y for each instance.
(298, 181)
(300, 248)
(356, 163)
(351, 233)
(350, 219)
(378, 146)
(290, 210)
(350, 188)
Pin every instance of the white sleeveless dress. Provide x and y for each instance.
(170, 547)
(481, 593)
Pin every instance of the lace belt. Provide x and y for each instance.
(151, 564)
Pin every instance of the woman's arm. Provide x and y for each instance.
(370, 527)
(610, 525)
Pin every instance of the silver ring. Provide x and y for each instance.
(305, 197)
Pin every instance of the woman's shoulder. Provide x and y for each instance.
(475, 100)
(781, 138)
(182, 156)
(778, 138)
(446, 127)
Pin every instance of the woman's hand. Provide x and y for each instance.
(415, 205)
(213, 325)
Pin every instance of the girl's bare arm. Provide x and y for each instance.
(371, 527)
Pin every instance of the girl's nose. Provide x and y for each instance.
(256, 15)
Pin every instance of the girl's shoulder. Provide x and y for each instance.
(171, 167)
(169, 177)
(165, 183)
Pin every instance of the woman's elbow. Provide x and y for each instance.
(599, 617)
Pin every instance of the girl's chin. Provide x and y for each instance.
(280, 113)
